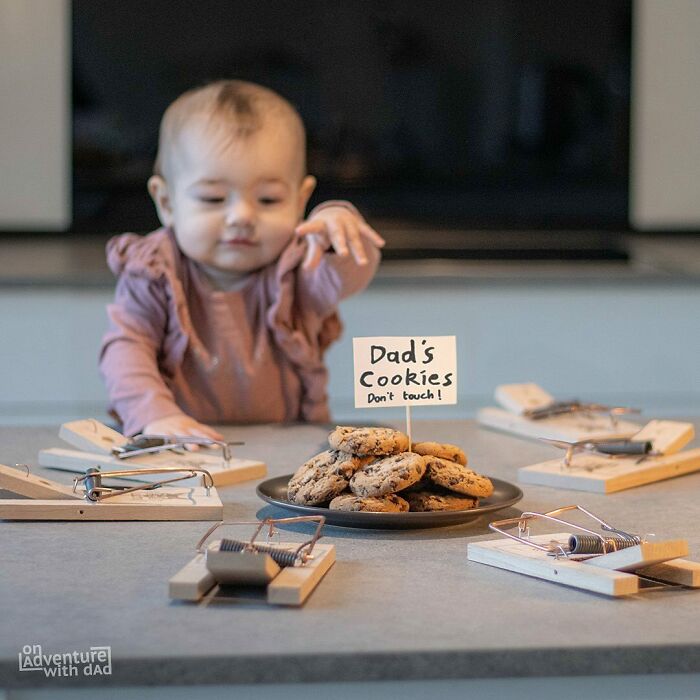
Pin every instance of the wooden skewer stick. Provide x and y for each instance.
(408, 427)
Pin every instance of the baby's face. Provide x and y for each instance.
(234, 203)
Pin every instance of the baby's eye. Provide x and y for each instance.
(266, 201)
(211, 200)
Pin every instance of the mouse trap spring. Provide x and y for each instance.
(285, 572)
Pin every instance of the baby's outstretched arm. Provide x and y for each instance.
(339, 228)
(342, 255)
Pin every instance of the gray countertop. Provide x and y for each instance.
(79, 262)
(396, 605)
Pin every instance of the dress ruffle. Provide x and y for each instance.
(301, 334)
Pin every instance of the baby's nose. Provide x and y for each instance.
(240, 213)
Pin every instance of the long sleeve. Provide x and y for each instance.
(129, 356)
(336, 277)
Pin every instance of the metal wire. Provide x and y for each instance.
(302, 553)
(95, 491)
(605, 544)
(283, 557)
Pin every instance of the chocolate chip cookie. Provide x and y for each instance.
(388, 474)
(323, 477)
(391, 503)
(368, 441)
(442, 450)
(422, 501)
(456, 477)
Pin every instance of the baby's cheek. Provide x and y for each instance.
(197, 239)
(275, 240)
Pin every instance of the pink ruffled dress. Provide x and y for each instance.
(175, 344)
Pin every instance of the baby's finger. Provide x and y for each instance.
(356, 245)
(206, 431)
(314, 253)
(310, 227)
(338, 234)
(370, 234)
(200, 430)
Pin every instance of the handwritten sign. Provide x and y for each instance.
(405, 371)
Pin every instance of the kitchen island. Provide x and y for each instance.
(396, 606)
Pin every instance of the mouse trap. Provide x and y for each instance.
(529, 411)
(277, 573)
(91, 499)
(607, 465)
(99, 445)
(607, 560)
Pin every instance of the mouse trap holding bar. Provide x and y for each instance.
(99, 445)
(604, 560)
(606, 465)
(91, 499)
(279, 573)
(530, 411)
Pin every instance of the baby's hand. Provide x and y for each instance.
(181, 425)
(340, 229)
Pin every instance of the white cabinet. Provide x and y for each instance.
(637, 344)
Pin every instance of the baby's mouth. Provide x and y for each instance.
(238, 241)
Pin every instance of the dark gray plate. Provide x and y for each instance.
(505, 494)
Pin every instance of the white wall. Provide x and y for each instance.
(35, 127)
(665, 144)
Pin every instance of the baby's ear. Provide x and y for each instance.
(308, 185)
(158, 189)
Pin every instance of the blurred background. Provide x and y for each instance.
(470, 113)
(533, 165)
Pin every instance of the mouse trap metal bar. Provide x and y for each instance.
(607, 465)
(91, 499)
(530, 411)
(283, 573)
(603, 560)
(99, 445)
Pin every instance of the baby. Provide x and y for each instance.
(224, 314)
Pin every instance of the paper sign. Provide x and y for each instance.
(405, 371)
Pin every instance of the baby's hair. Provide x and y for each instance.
(243, 107)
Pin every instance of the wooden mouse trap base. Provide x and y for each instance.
(48, 500)
(520, 402)
(598, 474)
(95, 443)
(224, 576)
(616, 574)
(570, 427)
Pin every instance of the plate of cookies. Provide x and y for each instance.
(374, 478)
